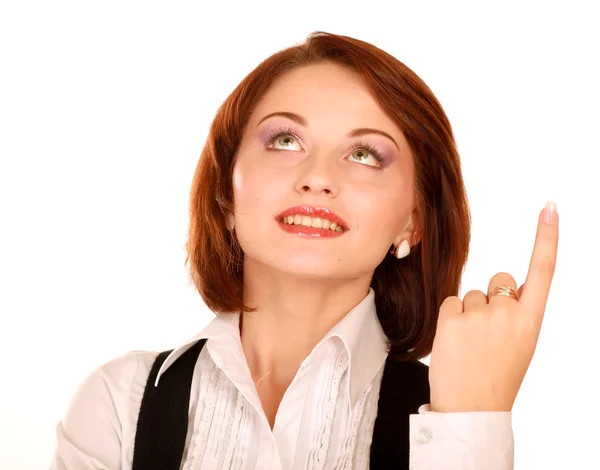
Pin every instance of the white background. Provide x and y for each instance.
(104, 108)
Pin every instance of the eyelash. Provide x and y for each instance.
(276, 133)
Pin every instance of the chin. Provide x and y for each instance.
(306, 270)
(300, 263)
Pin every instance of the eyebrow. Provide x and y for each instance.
(353, 133)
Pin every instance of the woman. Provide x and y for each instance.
(329, 228)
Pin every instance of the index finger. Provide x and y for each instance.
(543, 261)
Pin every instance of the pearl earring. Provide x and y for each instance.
(402, 250)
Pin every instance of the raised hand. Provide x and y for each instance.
(482, 348)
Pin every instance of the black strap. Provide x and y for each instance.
(404, 388)
(163, 420)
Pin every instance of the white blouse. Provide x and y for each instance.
(325, 419)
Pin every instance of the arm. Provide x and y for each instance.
(461, 441)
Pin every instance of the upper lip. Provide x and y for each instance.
(313, 211)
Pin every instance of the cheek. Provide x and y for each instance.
(246, 196)
(238, 178)
(384, 211)
(257, 197)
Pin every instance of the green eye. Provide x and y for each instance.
(360, 155)
(365, 157)
(283, 141)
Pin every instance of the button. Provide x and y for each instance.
(424, 435)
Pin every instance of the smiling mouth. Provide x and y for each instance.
(312, 222)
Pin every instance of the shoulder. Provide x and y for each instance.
(123, 369)
(113, 383)
(106, 403)
(102, 413)
(119, 376)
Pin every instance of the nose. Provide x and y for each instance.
(317, 176)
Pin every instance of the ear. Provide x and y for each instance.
(411, 231)
(230, 222)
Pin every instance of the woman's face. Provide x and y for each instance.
(318, 149)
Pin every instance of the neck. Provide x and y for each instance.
(292, 316)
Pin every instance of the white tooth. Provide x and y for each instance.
(316, 223)
(290, 219)
(338, 229)
(297, 220)
(306, 221)
(326, 223)
(332, 226)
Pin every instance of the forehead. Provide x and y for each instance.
(325, 93)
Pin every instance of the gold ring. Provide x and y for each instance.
(505, 290)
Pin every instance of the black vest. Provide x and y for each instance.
(163, 420)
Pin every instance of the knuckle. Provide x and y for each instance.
(450, 299)
(451, 303)
(502, 277)
(474, 292)
(475, 296)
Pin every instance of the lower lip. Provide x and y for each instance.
(309, 232)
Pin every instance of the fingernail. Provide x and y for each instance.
(550, 215)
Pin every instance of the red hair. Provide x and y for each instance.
(409, 291)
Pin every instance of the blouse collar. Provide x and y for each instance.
(360, 332)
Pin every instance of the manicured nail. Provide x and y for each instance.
(550, 215)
